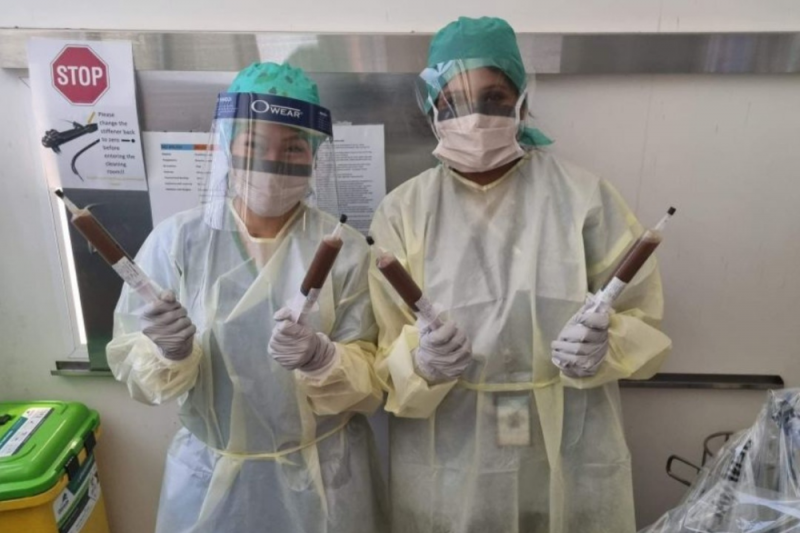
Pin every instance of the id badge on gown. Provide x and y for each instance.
(513, 415)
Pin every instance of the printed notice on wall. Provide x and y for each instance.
(84, 100)
(177, 168)
(360, 171)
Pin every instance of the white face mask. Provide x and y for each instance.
(266, 194)
(476, 142)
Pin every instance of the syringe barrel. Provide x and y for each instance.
(636, 257)
(96, 234)
(111, 251)
(399, 278)
(427, 313)
(321, 264)
(135, 277)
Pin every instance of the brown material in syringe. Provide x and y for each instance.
(399, 278)
(402, 282)
(110, 250)
(640, 252)
(94, 232)
(637, 256)
(321, 265)
(318, 271)
(630, 265)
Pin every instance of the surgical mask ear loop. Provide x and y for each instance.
(523, 98)
(435, 120)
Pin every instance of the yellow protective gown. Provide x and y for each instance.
(262, 448)
(512, 446)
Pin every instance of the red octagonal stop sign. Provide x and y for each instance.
(79, 74)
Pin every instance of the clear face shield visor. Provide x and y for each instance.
(459, 88)
(475, 111)
(270, 154)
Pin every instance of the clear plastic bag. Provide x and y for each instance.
(751, 486)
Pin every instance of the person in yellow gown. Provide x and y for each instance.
(507, 417)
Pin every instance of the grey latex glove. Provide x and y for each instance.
(298, 346)
(444, 353)
(583, 343)
(167, 324)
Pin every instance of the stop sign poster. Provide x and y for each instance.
(84, 100)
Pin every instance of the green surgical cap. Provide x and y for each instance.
(533, 138)
(483, 42)
(280, 80)
(469, 44)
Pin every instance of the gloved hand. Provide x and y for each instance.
(297, 346)
(167, 324)
(443, 353)
(583, 343)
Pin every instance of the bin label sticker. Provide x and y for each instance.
(22, 430)
(75, 504)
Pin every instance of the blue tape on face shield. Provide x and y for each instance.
(275, 109)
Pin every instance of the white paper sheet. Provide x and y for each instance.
(177, 165)
(84, 100)
(360, 171)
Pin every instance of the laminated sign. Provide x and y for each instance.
(84, 100)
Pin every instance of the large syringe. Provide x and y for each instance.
(110, 250)
(639, 253)
(318, 271)
(399, 278)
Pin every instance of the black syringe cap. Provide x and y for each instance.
(59, 193)
(370, 240)
(671, 211)
(343, 218)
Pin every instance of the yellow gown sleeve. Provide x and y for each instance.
(349, 383)
(637, 347)
(409, 395)
(133, 358)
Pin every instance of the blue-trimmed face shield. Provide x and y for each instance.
(270, 153)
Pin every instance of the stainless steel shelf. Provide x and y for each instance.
(78, 369)
(543, 53)
(707, 381)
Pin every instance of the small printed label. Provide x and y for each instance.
(22, 430)
(75, 504)
(63, 504)
(301, 306)
(427, 314)
(614, 289)
(426, 308)
(131, 273)
(513, 420)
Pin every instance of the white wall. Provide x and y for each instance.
(34, 330)
(409, 15)
(719, 148)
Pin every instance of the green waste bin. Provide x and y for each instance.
(48, 473)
